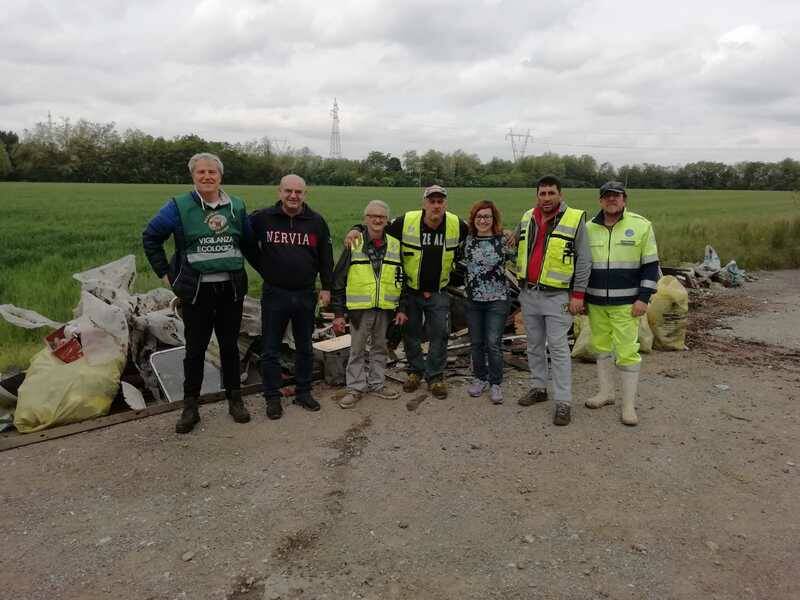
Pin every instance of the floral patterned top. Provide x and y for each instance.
(485, 259)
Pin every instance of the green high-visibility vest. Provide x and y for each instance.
(364, 288)
(412, 247)
(212, 236)
(558, 264)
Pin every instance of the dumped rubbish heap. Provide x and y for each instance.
(710, 272)
(123, 351)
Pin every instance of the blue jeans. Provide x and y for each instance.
(436, 313)
(278, 308)
(486, 322)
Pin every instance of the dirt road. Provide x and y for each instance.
(458, 499)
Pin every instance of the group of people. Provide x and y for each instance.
(398, 271)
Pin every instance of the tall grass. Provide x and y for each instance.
(49, 231)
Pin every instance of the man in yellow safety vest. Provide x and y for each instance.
(429, 239)
(367, 283)
(553, 265)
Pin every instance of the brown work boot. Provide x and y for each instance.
(236, 407)
(190, 416)
(438, 388)
(533, 396)
(412, 383)
(563, 414)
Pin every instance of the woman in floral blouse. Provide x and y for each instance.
(487, 293)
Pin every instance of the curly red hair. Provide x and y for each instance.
(497, 224)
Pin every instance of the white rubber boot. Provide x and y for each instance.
(630, 385)
(605, 376)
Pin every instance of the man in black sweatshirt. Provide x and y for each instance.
(294, 246)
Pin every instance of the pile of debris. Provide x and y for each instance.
(710, 273)
(123, 352)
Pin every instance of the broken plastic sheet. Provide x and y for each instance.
(27, 319)
(731, 275)
(132, 396)
(117, 275)
(103, 329)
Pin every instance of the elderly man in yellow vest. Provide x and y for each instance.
(367, 283)
(625, 270)
(429, 239)
(553, 264)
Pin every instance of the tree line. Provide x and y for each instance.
(85, 151)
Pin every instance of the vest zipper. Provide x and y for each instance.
(608, 261)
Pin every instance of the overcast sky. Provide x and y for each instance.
(625, 81)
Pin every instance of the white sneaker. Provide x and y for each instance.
(477, 387)
(496, 394)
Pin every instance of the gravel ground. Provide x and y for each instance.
(457, 499)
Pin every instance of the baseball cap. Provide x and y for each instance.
(613, 186)
(434, 189)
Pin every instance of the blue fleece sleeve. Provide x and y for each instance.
(167, 222)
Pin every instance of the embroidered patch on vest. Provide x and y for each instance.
(217, 222)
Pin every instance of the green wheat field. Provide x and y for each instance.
(49, 231)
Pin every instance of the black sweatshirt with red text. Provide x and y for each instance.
(293, 249)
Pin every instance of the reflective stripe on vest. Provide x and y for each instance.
(412, 247)
(366, 290)
(211, 237)
(558, 263)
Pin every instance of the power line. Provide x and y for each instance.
(664, 148)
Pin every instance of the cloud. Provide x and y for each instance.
(622, 80)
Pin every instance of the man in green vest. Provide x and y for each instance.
(429, 239)
(212, 236)
(625, 270)
(553, 264)
(367, 283)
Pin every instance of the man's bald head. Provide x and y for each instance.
(292, 193)
(292, 181)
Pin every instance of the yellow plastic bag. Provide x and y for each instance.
(56, 393)
(668, 314)
(582, 348)
(582, 331)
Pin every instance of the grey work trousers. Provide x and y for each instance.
(367, 343)
(547, 319)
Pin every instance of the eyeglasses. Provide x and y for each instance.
(484, 217)
(377, 217)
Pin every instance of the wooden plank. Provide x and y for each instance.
(334, 344)
(515, 362)
(16, 440)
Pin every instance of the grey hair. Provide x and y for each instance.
(380, 203)
(205, 156)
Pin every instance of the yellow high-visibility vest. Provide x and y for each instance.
(365, 289)
(558, 265)
(412, 247)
